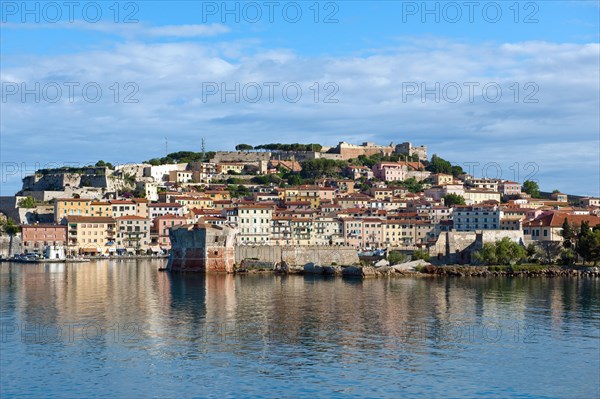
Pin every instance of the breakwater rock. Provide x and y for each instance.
(358, 271)
(514, 271)
(424, 269)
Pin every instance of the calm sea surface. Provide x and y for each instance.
(123, 329)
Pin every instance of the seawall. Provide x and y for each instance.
(298, 255)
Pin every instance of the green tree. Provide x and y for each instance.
(588, 245)
(567, 257)
(395, 257)
(548, 251)
(509, 252)
(102, 164)
(293, 179)
(457, 171)
(11, 229)
(321, 167)
(243, 147)
(568, 234)
(531, 250)
(266, 179)
(487, 254)
(413, 185)
(420, 254)
(27, 202)
(440, 165)
(503, 252)
(531, 188)
(238, 191)
(454, 199)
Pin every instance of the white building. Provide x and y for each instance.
(165, 208)
(254, 223)
(160, 173)
(477, 217)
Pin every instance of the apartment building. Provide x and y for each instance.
(477, 217)
(254, 223)
(133, 234)
(65, 207)
(91, 235)
(36, 237)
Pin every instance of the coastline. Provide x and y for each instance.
(430, 271)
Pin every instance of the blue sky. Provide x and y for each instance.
(384, 71)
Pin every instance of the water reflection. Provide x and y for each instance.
(128, 322)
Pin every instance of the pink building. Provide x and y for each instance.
(390, 171)
(395, 171)
(162, 225)
(372, 232)
(35, 237)
(353, 232)
(509, 188)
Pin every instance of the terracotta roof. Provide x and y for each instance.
(176, 217)
(165, 205)
(301, 219)
(556, 219)
(74, 199)
(255, 206)
(89, 219)
(42, 225)
(412, 165)
(372, 220)
(132, 217)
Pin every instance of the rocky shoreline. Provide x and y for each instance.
(423, 269)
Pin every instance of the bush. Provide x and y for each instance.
(395, 257)
(27, 202)
(567, 257)
(420, 254)
(503, 252)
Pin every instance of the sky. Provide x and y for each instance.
(505, 89)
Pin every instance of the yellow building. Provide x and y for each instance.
(474, 197)
(123, 208)
(65, 207)
(383, 193)
(91, 235)
(194, 202)
(218, 195)
(225, 167)
(314, 202)
(406, 232)
(133, 234)
(101, 208)
(441, 179)
(141, 207)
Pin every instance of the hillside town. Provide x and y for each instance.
(372, 198)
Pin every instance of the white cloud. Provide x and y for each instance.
(188, 30)
(128, 30)
(557, 132)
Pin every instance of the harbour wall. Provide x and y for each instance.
(297, 255)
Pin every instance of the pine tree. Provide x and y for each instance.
(568, 234)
